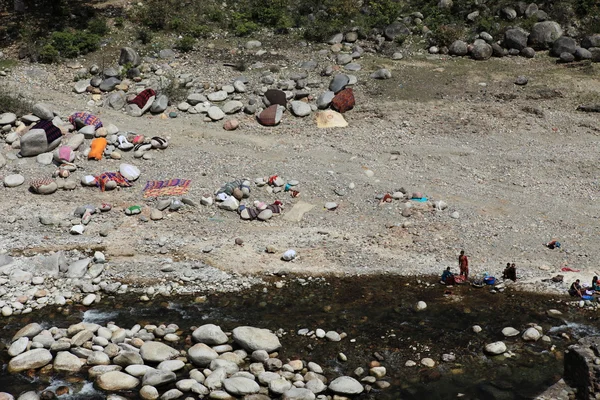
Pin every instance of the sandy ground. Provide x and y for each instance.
(518, 164)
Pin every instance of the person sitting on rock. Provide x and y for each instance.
(510, 272)
(595, 284)
(448, 277)
(575, 289)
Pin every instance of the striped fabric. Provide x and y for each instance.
(171, 187)
(85, 119)
(103, 178)
(52, 131)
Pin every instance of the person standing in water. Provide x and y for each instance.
(463, 264)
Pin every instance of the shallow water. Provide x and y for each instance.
(378, 313)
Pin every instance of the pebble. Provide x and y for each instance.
(369, 173)
(331, 205)
(14, 180)
(289, 255)
(77, 229)
(156, 215)
(521, 80)
(476, 328)
(428, 362)
(455, 215)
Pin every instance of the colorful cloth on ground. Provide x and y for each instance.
(171, 187)
(52, 131)
(86, 119)
(344, 100)
(568, 269)
(141, 99)
(97, 149)
(103, 178)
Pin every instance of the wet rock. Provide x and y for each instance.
(252, 339)
(495, 348)
(346, 385)
(31, 359)
(157, 352)
(116, 380)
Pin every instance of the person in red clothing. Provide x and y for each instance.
(463, 264)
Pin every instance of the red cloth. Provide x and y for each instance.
(343, 101)
(142, 98)
(567, 269)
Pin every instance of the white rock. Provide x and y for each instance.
(510, 331)
(428, 362)
(13, 180)
(420, 306)
(495, 348)
(289, 255)
(476, 328)
(130, 172)
(531, 335)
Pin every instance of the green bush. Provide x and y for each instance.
(119, 22)
(144, 36)
(186, 44)
(445, 35)
(98, 26)
(70, 44)
(245, 28)
(200, 31)
(48, 54)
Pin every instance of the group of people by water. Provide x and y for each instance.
(448, 278)
(576, 289)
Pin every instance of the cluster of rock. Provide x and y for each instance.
(159, 362)
(268, 100)
(547, 35)
(581, 367)
(230, 196)
(532, 333)
(68, 149)
(53, 281)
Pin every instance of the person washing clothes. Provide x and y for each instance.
(448, 277)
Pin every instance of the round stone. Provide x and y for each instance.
(265, 215)
(13, 180)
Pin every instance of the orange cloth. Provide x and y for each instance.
(97, 150)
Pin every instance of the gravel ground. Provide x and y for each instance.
(517, 163)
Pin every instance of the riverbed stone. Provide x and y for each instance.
(30, 330)
(346, 385)
(116, 380)
(149, 393)
(531, 335)
(210, 334)
(201, 354)
(252, 339)
(67, 362)
(31, 359)
(298, 394)
(157, 352)
(18, 346)
(495, 348)
(509, 331)
(158, 378)
(240, 386)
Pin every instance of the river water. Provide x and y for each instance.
(378, 314)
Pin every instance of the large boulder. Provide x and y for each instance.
(591, 41)
(395, 29)
(458, 48)
(481, 51)
(346, 385)
(210, 334)
(157, 352)
(116, 380)
(252, 339)
(35, 142)
(543, 34)
(515, 38)
(563, 44)
(31, 359)
(129, 56)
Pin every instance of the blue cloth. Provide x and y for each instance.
(420, 200)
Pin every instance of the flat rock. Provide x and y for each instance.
(14, 180)
(300, 108)
(221, 95)
(117, 380)
(31, 359)
(215, 113)
(346, 385)
(252, 339)
(157, 352)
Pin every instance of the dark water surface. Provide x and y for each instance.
(378, 312)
